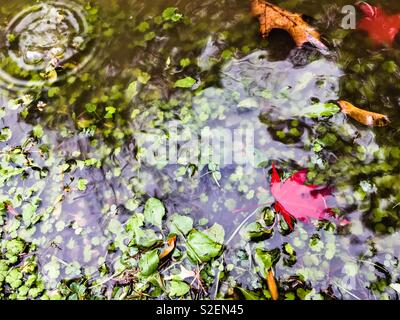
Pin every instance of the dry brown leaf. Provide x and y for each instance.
(273, 17)
(169, 248)
(272, 287)
(365, 117)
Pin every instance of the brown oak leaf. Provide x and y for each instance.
(274, 17)
(365, 117)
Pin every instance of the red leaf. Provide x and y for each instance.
(295, 199)
(381, 27)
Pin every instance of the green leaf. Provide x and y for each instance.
(172, 14)
(28, 214)
(154, 211)
(5, 134)
(37, 131)
(321, 110)
(90, 107)
(110, 112)
(204, 246)
(82, 183)
(14, 278)
(265, 260)
(256, 231)
(185, 62)
(216, 233)
(248, 295)
(146, 238)
(178, 288)
(187, 82)
(131, 91)
(134, 222)
(148, 263)
(178, 223)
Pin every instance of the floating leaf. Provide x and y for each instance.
(321, 110)
(365, 117)
(296, 199)
(273, 17)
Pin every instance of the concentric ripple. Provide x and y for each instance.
(45, 43)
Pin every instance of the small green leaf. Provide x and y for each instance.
(148, 263)
(82, 184)
(154, 212)
(187, 82)
(178, 288)
(178, 223)
(131, 91)
(172, 14)
(321, 110)
(204, 246)
(266, 260)
(5, 134)
(185, 62)
(90, 107)
(256, 231)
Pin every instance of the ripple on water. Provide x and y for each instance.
(44, 39)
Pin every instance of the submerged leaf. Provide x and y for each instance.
(365, 117)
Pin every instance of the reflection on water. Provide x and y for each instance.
(91, 132)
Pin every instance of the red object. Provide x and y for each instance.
(295, 199)
(381, 27)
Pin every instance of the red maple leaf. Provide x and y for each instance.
(381, 27)
(295, 199)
